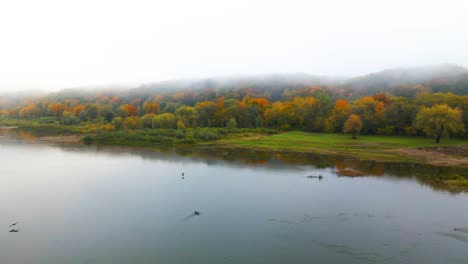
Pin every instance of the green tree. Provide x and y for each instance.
(91, 111)
(106, 112)
(206, 111)
(439, 120)
(147, 121)
(82, 116)
(180, 124)
(68, 119)
(118, 122)
(399, 114)
(259, 121)
(188, 115)
(166, 120)
(231, 123)
(353, 125)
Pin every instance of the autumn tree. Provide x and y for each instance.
(77, 110)
(188, 115)
(166, 120)
(127, 110)
(68, 119)
(450, 99)
(230, 110)
(253, 112)
(353, 125)
(13, 112)
(219, 118)
(180, 124)
(308, 108)
(114, 101)
(381, 97)
(261, 103)
(152, 108)
(131, 123)
(147, 120)
(370, 110)
(339, 115)
(299, 113)
(439, 120)
(30, 111)
(276, 115)
(57, 109)
(206, 111)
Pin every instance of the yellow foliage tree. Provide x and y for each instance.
(439, 120)
(353, 125)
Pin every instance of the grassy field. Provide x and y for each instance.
(382, 148)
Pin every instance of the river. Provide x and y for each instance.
(92, 204)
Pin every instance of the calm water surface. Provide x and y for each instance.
(88, 204)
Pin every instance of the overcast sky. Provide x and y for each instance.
(50, 44)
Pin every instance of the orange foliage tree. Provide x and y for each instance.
(128, 110)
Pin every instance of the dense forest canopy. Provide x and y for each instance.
(386, 102)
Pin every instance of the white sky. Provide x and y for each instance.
(50, 44)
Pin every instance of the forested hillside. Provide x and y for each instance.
(389, 102)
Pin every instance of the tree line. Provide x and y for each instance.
(316, 109)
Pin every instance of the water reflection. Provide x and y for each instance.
(427, 175)
(104, 204)
(14, 134)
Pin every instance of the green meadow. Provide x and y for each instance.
(368, 147)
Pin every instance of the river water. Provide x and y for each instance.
(90, 204)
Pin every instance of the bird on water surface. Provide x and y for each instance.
(320, 177)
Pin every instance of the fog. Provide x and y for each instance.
(49, 45)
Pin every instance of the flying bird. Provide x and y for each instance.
(14, 231)
(196, 213)
(14, 224)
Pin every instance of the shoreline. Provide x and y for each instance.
(394, 149)
(355, 158)
(426, 156)
(404, 155)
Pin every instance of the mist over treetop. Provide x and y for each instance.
(399, 82)
(381, 103)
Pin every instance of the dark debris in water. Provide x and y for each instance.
(464, 230)
(458, 237)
